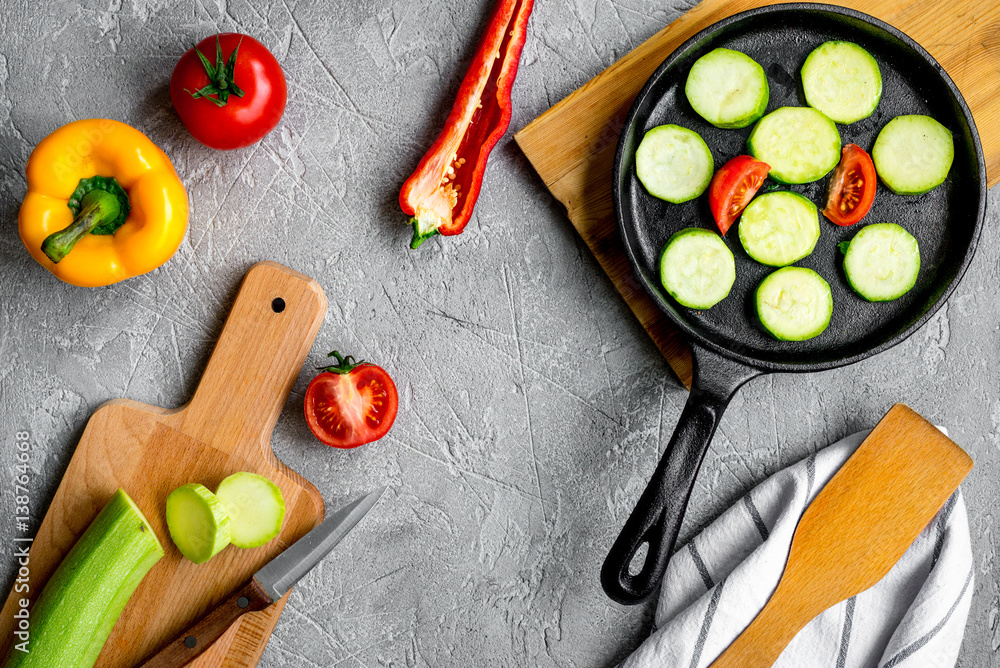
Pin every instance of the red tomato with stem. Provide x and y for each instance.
(229, 91)
(351, 403)
(852, 187)
(732, 188)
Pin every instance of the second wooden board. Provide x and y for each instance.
(572, 145)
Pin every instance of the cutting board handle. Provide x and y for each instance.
(257, 359)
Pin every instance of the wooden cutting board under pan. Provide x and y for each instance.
(572, 145)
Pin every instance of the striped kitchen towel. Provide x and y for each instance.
(716, 584)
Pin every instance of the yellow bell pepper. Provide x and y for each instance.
(97, 231)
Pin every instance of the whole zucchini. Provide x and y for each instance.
(74, 615)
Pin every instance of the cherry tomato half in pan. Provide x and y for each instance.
(852, 187)
(732, 188)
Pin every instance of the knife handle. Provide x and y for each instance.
(191, 642)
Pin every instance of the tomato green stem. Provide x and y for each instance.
(345, 365)
(97, 207)
(220, 76)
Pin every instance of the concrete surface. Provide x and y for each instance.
(532, 403)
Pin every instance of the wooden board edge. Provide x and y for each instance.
(653, 46)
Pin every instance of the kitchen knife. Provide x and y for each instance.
(267, 585)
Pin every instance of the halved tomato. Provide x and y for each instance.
(733, 187)
(351, 403)
(852, 187)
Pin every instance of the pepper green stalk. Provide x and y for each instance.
(99, 205)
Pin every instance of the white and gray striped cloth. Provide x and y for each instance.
(717, 583)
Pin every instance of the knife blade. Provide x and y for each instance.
(268, 585)
(281, 573)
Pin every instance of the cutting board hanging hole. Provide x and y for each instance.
(278, 305)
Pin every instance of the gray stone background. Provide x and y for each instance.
(533, 405)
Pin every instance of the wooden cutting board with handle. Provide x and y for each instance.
(856, 529)
(149, 451)
(572, 145)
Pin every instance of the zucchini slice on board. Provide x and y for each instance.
(800, 143)
(74, 615)
(913, 154)
(674, 163)
(198, 522)
(882, 262)
(779, 228)
(255, 508)
(794, 304)
(727, 88)
(697, 268)
(842, 80)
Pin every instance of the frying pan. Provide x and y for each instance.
(729, 347)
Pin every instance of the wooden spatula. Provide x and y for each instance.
(856, 529)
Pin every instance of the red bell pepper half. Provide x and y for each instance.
(440, 195)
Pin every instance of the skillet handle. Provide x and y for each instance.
(656, 519)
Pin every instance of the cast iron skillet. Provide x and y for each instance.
(729, 347)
